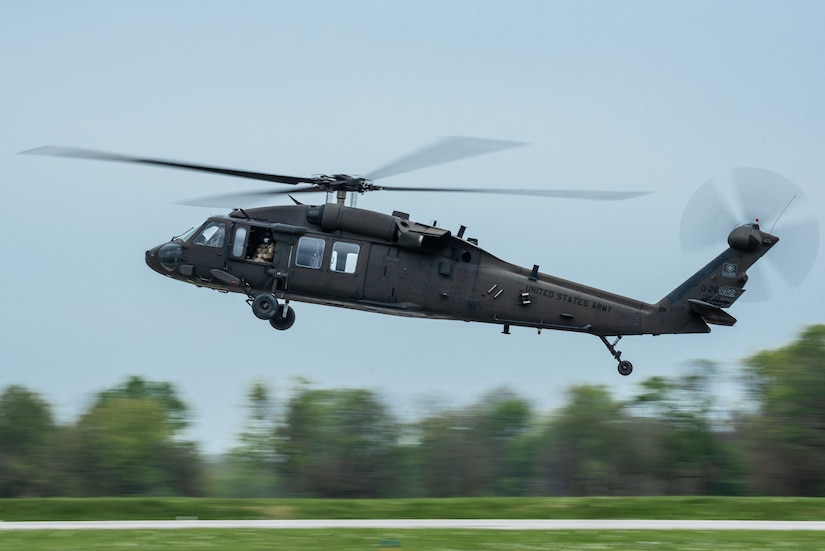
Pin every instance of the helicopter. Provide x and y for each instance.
(337, 255)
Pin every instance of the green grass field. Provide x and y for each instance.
(418, 540)
(750, 508)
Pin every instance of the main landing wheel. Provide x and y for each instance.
(625, 368)
(264, 306)
(283, 321)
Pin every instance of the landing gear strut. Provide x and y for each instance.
(625, 367)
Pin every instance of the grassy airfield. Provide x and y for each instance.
(420, 539)
(430, 540)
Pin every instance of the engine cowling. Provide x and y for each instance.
(394, 229)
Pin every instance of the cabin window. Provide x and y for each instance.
(344, 257)
(238, 249)
(310, 252)
(212, 235)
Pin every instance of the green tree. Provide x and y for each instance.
(507, 424)
(119, 444)
(482, 449)
(258, 438)
(128, 443)
(686, 448)
(250, 469)
(27, 433)
(176, 412)
(451, 455)
(589, 447)
(338, 443)
(788, 429)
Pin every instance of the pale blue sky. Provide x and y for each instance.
(658, 96)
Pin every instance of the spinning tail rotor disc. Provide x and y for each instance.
(748, 195)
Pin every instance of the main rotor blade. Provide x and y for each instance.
(230, 200)
(444, 151)
(245, 198)
(592, 195)
(57, 151)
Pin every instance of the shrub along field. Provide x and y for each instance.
(715, 508)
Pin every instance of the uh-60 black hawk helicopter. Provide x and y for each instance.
(338, 255)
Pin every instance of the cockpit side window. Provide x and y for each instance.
(212, 235)
(310, 252)
(239, 242)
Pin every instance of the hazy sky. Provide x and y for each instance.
(630, 95)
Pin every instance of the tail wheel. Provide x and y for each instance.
(625, 368)
(283, 320)
(264, 306)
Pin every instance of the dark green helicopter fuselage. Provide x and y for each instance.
(353, 258)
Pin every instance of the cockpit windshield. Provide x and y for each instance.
(212, 234)
(185, 235)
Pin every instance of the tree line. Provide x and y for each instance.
(672, 438)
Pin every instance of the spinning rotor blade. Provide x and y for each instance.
(232, 200)
(444, 151)
(57, 151)
(593, 195)
(747, 195)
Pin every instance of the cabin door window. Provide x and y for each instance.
(310, 252)
(344, 257)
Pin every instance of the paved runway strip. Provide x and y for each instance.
(401, 524)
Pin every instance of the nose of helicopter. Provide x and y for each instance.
(164, 258)
(152, 259)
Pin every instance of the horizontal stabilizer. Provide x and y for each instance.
(710, 313)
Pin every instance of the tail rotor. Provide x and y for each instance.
(748, 195)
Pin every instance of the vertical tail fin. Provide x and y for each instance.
(699, 300)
